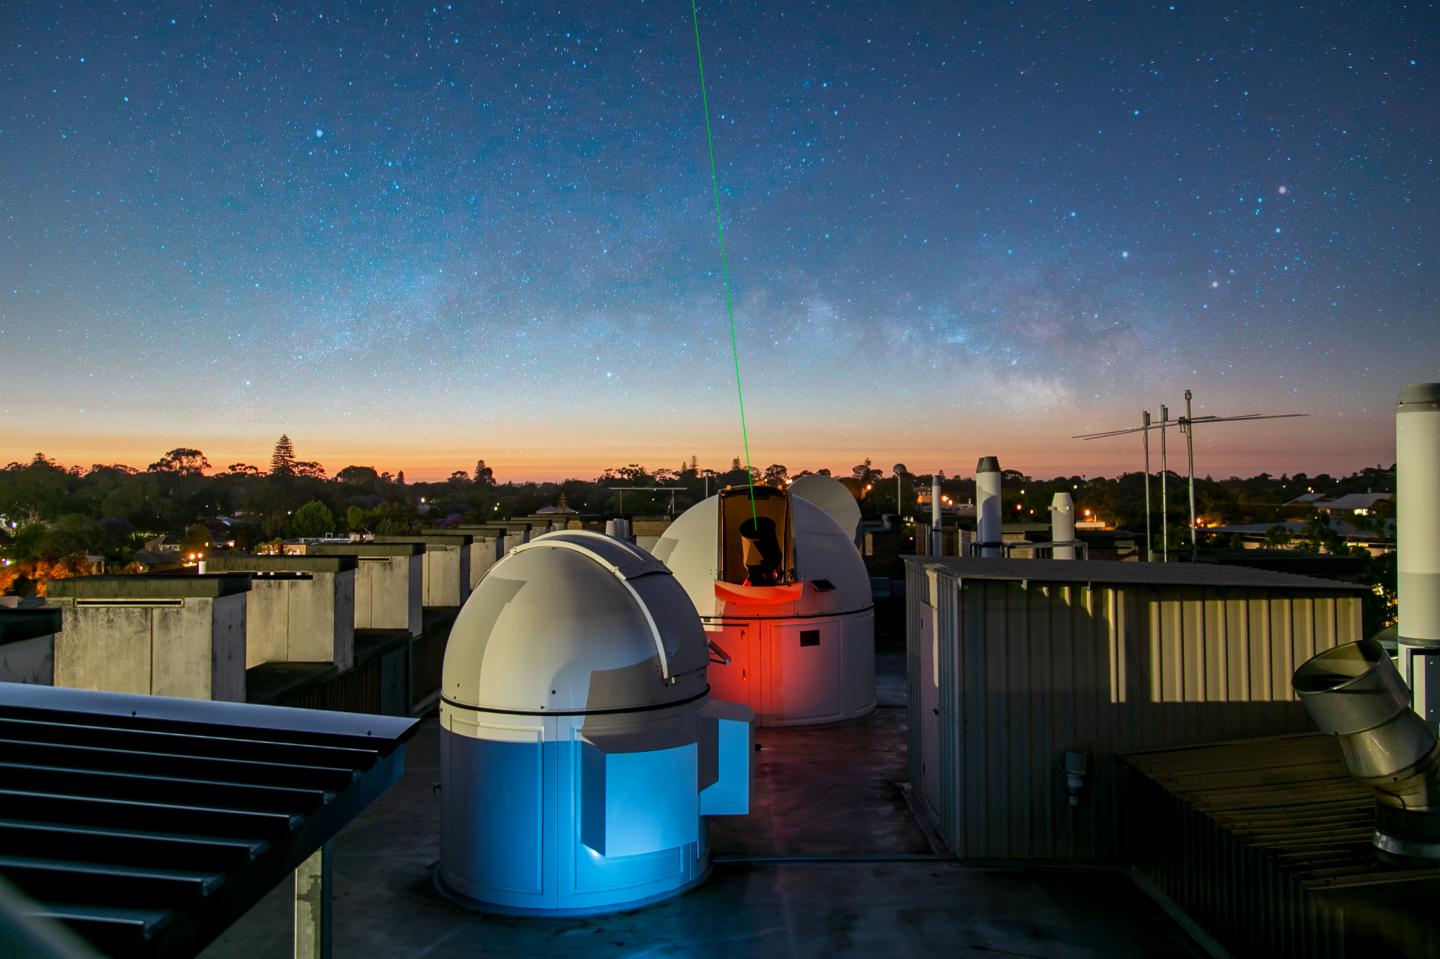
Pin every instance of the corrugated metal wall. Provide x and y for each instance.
(1030, 670)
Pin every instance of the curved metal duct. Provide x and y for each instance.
(1354, 692)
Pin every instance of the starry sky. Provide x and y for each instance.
(411, 236)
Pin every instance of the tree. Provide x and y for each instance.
(182, 460)
(309, 469)
(363, 476)
(1277, 536)
(282, 460)
(484, 475)
(775, 474)
(195, 540)
(864, 472)
(140, 501)
(242, 469)
(312, 520)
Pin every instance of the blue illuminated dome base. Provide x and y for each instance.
(579, 745)
(493, 909)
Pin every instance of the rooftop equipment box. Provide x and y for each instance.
(445, 567)
(27, 645)
(389, 583)
(161, 635)
(1018, 669)
(301, 608)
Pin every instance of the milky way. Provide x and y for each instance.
(415, 235)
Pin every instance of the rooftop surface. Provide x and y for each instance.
(1121, 573)
(830, 862)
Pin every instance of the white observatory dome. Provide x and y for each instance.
(823, 554)
(575, 621)
(579, 745)
(798, 647)
(831, 496)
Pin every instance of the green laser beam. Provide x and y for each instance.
(724, 261)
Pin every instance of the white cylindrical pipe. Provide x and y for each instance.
(936, 535)
(987, 506)
(1417, 499)
(1417, 485)
(1062, 525)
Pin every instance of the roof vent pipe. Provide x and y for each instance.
(1353, 692)
(987, 507)
(1417, 547)
(1062, 526)
(937, 535)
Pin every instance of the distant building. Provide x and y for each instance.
(1355, 504)
(1254, 535)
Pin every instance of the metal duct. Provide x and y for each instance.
(1417, 547)
(937, 536)
(987, 507)
(1353, 692)
(1062, 525)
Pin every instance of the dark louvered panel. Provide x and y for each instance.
(235, 745)
(1266, 844)
(70, 755)
(148, 825)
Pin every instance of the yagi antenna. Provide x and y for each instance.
(1185, 423)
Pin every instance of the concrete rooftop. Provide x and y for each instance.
(830, 862)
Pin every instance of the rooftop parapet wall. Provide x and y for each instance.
(389, 583)
(27, 645)
(301, 608)
(445, 570)
(159, 635)
(486, 547)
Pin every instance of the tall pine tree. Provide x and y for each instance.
(282, 461)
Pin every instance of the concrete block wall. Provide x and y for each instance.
(301, 608)
(158, 635)
(389, 582)
(27, 645)
(445, 570)
(487, 545)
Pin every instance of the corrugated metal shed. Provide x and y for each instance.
(1266, 844)
(148, 824)
(1012, 663)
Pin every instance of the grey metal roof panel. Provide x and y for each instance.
(1112, 572)
(149, 824)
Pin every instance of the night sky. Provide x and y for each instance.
(413, 236)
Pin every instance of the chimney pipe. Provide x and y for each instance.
(937, 540)
(1062, 525)
(1353, 692)
(1417, 475)
(987, 507)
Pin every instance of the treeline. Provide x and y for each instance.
(52, 512)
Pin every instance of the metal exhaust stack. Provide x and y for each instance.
(987, 507)
(1062, 525)
(1354, 692)
(937, 536)
(1417, 560)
